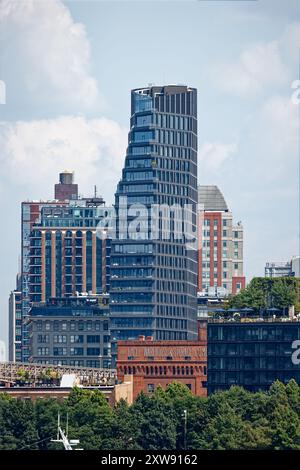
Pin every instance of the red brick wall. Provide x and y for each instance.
(150, 364)
(236, 280)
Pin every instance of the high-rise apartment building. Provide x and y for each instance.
(66, 255)
(61, 253)
(154, 272)
(30, 215)
(220, 263)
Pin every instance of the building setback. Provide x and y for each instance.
(154, 279)
(70, 331)
(220, 256)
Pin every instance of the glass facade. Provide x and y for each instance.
(154, 278)
(252, 355)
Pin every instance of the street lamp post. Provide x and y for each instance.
(184, 428)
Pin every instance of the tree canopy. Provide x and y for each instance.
(232, 419)
(262, 293)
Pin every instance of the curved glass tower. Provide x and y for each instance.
(153, 267)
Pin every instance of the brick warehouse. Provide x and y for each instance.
(153, 363)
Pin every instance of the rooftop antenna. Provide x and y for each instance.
(95, 191)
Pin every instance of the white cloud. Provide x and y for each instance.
(280, 127)
(256, 68)
(212, 155)
(33, 153)
(290, 42)
(51, 53)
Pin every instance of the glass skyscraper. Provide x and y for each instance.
(153, 283)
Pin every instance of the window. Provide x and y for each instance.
(150, 388)
(43, 351)
(144, 120)
(59, 339)
(59, 351)
(93, 339)
(76, 339)
(76, 351)
(93, 351)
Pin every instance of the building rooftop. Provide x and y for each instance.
(212, 198)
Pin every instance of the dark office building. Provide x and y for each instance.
(154, 278)
(251, 354)
(70, 331)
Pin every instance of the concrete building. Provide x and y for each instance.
(15, 326)
(278, 269)
(220, 256)
(70, 331)
(283, 269)
(159, 363)
(296, 266)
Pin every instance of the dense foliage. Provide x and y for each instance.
(263, 293)
(233, 419)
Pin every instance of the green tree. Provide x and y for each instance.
(157, 423)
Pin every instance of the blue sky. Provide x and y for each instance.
(69, 67)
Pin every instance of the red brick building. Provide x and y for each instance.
(220, 254)
(153, 363)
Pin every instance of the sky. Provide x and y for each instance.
(68, 68)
